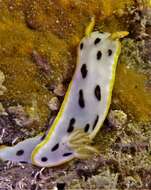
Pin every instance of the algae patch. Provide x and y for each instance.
(131, 92)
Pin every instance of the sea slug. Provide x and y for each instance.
(83, 110)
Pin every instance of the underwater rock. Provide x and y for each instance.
(104, 180)
(60, 90)
(19, 115)
(41, 62)
(54, 104)
(2, 110)
(116, 119)
(9, 130)
(131, 148)
(15, 124)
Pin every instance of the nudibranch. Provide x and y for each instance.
(83, 110)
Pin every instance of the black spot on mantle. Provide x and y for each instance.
(20, 152)
(99, 55)
(84, 71)
(95, 122)
(97, 40)
(71, 127)
(81, 99)
(97, 92)
(55, 147)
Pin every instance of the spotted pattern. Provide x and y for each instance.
(97, 40)
(84, 71)
(44, 159)
(55, 147)
(109, 52)
(19, 152)
(99, 55)
(67, 154)
(81, 46)
(97, 92)
(81, 99)
(71, 127)
(95, 122)
(86, 128)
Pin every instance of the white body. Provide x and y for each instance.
(100, 71)
(85, 106)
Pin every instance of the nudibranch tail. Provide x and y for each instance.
(20, 152)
